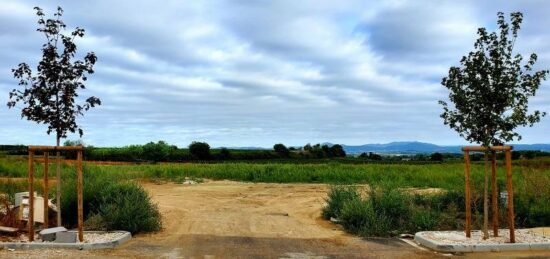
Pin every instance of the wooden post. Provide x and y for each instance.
(30, 218)
(509, 187)
(46, 207)
(467, 193)
(58, 187)
(79, 197)
(494, 198)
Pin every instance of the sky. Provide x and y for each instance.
(255, 73)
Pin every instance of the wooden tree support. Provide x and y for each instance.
(494, 199)
(79, 187)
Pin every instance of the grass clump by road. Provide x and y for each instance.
(110, 203)
(388, 210)
(124, 206)
(339, 196)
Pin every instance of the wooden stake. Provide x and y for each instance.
(467, 193)
(46, 207)
(486, 196)
(58, 187)
(494, 198)
(79, 197)
(510, 190)
(31, 197)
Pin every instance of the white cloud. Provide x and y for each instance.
(241, 73)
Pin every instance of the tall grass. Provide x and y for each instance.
(446, 175)
(389, 210)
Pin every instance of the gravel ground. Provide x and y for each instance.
(88, 238)
(459, 237)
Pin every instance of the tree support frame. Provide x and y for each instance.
(80, 213)
(494, 200)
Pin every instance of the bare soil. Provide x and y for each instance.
(225, 219)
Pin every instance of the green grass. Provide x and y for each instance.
(446, 175)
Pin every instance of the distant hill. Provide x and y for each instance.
(414, 147)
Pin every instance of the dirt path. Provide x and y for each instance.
(224, 219)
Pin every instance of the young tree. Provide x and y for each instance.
(490, 91)
(50, 95)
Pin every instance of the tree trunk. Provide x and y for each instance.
(486, 198)
(58, 178)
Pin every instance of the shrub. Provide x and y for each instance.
(393, 204)
(337, 197)
(389, 211)
(126, 206)
(109, 204)
(93, 184)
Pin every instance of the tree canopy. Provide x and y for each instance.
(491, 89)
(50, 95)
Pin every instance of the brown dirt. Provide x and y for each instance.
(224, 219)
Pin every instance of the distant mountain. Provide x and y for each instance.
(415, 147)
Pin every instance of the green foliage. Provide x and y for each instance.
(532, 199)
(126, 206)
(337, 151)
(50, 94)
(281, 150)
(389, 210)
(157, 152)
(224, 153)
(371, 156)
(200, 150)
(336, 198)
(491, 89)
(110, 203)
(359, 217)
(436, 157)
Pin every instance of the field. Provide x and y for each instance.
(447, 176)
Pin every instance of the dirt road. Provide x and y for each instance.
(224, 219)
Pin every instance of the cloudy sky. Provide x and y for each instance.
(254, 73)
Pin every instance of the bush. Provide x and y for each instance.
(126, 206)
(93, 184)
(109, 204)
(336, 199)
(389, 211)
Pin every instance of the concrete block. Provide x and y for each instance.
(66, 237)
(50, 233)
